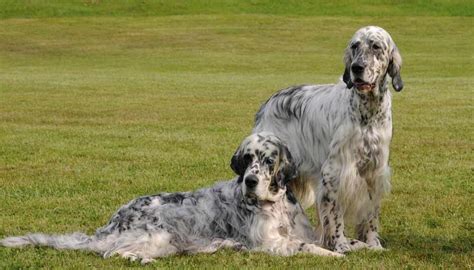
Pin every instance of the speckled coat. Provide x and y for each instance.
(263, 216)
(339, 136)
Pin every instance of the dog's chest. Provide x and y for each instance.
(276, 219)
(370, 150)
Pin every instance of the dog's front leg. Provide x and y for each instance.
(330, 212)
(316, 250)
(286, 247)
(367, 231)
(368, 225)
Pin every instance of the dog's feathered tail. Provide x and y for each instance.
(67, 241)
(134, 244)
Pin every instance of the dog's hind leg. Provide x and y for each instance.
(139, 245)
(214, 245)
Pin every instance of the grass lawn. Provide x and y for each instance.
(96, 110)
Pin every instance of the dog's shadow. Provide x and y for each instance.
(460, 244)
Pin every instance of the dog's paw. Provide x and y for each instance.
(376, 248)
(355, 244)
(336, 254)
(317, 250)
(374, 244)
(129, 255)
(147, 261)
(342, 247)
(239, 247)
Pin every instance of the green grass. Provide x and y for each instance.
(380, 8)
(95, 111)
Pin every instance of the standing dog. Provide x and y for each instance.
(339, 135)
(254, 211)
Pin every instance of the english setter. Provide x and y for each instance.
(339, 136)
(253, 211)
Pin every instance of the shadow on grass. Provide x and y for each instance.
(428, 244)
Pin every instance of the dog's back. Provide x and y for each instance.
(306, 117)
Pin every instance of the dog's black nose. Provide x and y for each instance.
(357, 68)
(251, 181)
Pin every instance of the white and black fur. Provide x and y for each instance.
(339, 135)
(254, 211)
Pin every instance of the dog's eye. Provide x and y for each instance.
(354, 46)
(269, 162)
(376, 47)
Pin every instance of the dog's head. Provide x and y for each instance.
(264, 166)
(369, 57)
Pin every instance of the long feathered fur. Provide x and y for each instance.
(239, 214)
(339, 135)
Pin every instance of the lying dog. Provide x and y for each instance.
(253, 211)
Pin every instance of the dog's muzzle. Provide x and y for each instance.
(363, 86)
(251, 181)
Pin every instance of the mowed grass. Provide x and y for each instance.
(61, 8)
(95, 111)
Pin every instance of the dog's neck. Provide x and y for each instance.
(372, 108)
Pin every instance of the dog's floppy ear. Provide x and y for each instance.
(347, 73)
(239, 163)
(287, 169)
(394, 69)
